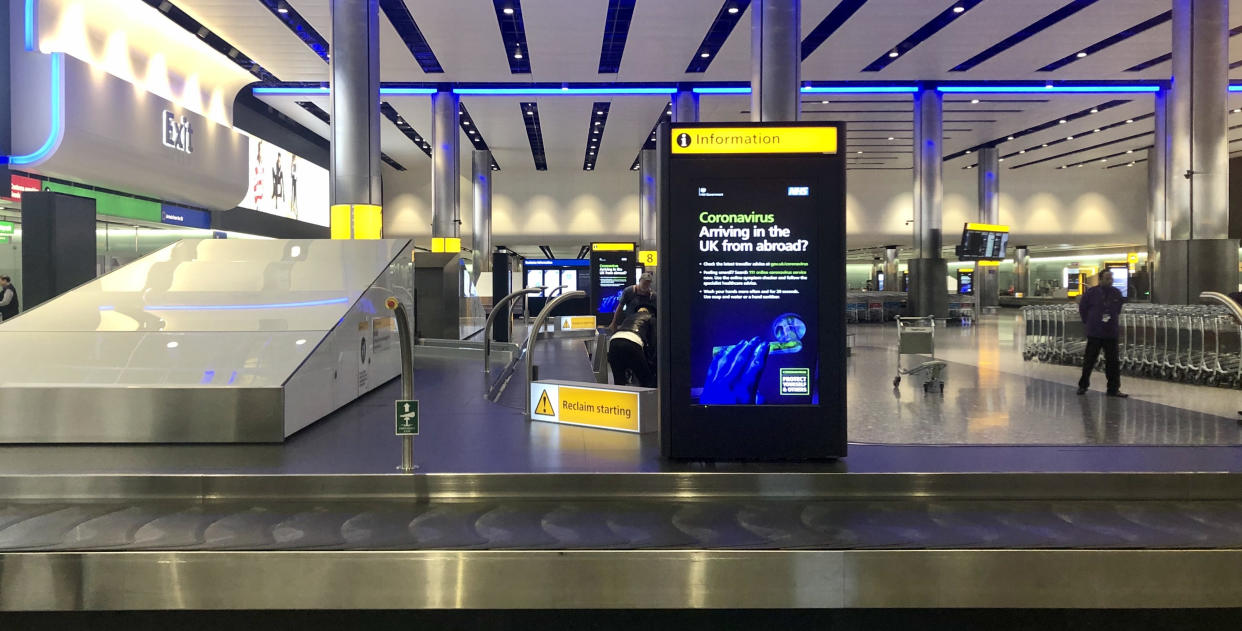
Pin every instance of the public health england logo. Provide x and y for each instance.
(683, 140)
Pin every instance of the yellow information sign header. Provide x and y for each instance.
(612, 247)
(739, 140)
(986, 227)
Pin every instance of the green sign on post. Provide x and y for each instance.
(7, 228)
(407, 418)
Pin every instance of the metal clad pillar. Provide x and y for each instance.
(1198, 254)
(445, 164)
(892, 282)
(1158, 192)
(355, 128)
(987, 289)
(928, 271)
(1022, 271)
(685, 106)
(647, 217)
(481, 176)
(776, 60)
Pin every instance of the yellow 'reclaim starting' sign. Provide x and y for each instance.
(736, 140)
(586, 406)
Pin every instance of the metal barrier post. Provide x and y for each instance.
(487, 327)
(407, 376)
(534, 335)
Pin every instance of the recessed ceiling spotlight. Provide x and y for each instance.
(1069, 137)
(1062, 121)
(1237, 109)
(974, 101)
(1045, 144)
(173, 345)
(1062, 166)
(1010, 138)
(1103, 159)
(1001, 160)
(1130, 151)
(958, 9)
(592, 153)
(1081, 54)
(859, 152)
(282, 9)
(733, 10)
(508, 10)
(1129, 120)
(827, 102)
(705, 55)
(600, 112)
(968, 152)
(894, 54)
(465, 122)
(592, 146)
(1023, 151)
(890, 138)
(1079, 166)
(517, 55)
(1095, 110)
(1096, 130)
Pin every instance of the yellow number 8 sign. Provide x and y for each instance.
(647, 258)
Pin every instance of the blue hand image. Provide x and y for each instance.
(733, 376)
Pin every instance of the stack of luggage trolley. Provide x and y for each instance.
(1188, 343)
(873, 306)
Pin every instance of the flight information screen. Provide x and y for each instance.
(755, 305)
(983, 245)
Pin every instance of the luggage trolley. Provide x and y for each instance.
(917, 336)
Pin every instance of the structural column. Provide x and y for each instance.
(355, 125)
(1197, 254)
(647, 219)
(445, 164)
(1021, 271)
(1157, 193)
(776, 60)
(685, 106)
(481, 177)
(987, 288)
(892, 277)
(928, 270)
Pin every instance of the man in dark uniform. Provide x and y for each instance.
(8, 299)
(1100, 309)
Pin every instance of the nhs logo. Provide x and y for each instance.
(799, 191)
(178, 134)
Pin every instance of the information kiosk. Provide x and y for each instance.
(752, 320)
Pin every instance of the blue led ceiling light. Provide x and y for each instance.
(31, 5)
(565, 91)
(1235, 88)
(860, 89)
(1048, 89)
(324, 90)
(57, 120)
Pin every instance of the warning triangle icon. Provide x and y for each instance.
(545, 405)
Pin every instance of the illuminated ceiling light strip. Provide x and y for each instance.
(560, 91)
(863, 89)
(56, 133)
(323, 90)
(1045, 89)
(30, 24)
(1235, 88)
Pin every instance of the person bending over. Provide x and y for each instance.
(632, 349)
(1100, 310)
(632, 298)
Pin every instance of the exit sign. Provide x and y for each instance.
(7, 228)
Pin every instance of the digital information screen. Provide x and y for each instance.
(612, 270)
(757, 310)
(752, 324)
(965, 282)
(983, 242)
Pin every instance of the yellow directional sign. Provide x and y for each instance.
(647, 258)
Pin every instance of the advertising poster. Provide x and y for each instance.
(756, 308)
(283, 184)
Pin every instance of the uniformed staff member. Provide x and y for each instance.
(1100, 310)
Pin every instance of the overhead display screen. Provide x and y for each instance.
(757, 312)
(752, 291)
(613, 268)
(983, 242)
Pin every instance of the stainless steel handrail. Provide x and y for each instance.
(487, 326)
(1234, 309)
(407, 376)
(534, 335)
(552, 294)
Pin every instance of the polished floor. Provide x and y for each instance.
(998, 413)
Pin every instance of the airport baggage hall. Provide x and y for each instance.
(595, 314)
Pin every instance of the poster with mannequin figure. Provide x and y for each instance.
(283, 184)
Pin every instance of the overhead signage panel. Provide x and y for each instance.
(752, 140)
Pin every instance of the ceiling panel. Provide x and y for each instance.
(871, 32)
(560, 52)
(252, 29)
(665, 36)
